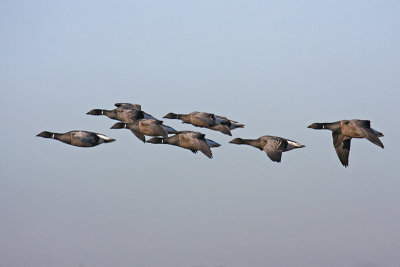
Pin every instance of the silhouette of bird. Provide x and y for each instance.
(78, 138)
(143, 127)
(194, 141)
(343, 131)
(120, 114)
(272, 145)
(203, 119)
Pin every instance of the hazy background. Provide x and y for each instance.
(276, 66)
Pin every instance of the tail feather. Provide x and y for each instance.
(105, 139)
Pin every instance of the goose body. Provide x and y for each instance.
(194, 141)
(343, 131)
(272, 145)
(203, 119)
(144, 127)
(78, 138)
(127, 115)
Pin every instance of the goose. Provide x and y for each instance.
(344, 130)
(194, 141)
(143, 127)
(272, 145)
(146, 115)
(120, 114)
(203, 119)
(78, 138)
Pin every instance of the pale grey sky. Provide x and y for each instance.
(275, 66)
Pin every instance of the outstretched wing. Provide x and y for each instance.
(222, 128)
(139, 135)
(274, 148)
(205, 148)
(128, 105)
(342, 147)
(195, 141)
(363, 127)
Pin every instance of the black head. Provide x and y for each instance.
(45, 134)
(316, 126)
(95, 112)
(236, 141)
(119, 125)
(171, 116)
(155, 140)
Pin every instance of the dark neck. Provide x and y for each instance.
(66, 138)
(251, 142)
(183, 117)
(172, 140)
(112, 114)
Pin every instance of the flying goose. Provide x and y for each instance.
(146, 115)
(78, 138)
(272, 145)
(194, 141)
(203, 119)
(343, 131)
(143, 127)
(120, 114)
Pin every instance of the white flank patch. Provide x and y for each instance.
(294, 143)
(103, 137)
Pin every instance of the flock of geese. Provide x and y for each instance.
(142, 124)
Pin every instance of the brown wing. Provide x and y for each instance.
(203, 147)
(152, 127)
(128, 106)
(342, 147)
(202, 119)
(195, 141)
(274, 148)
(222, 128)
(139, 135)
(363, 128)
